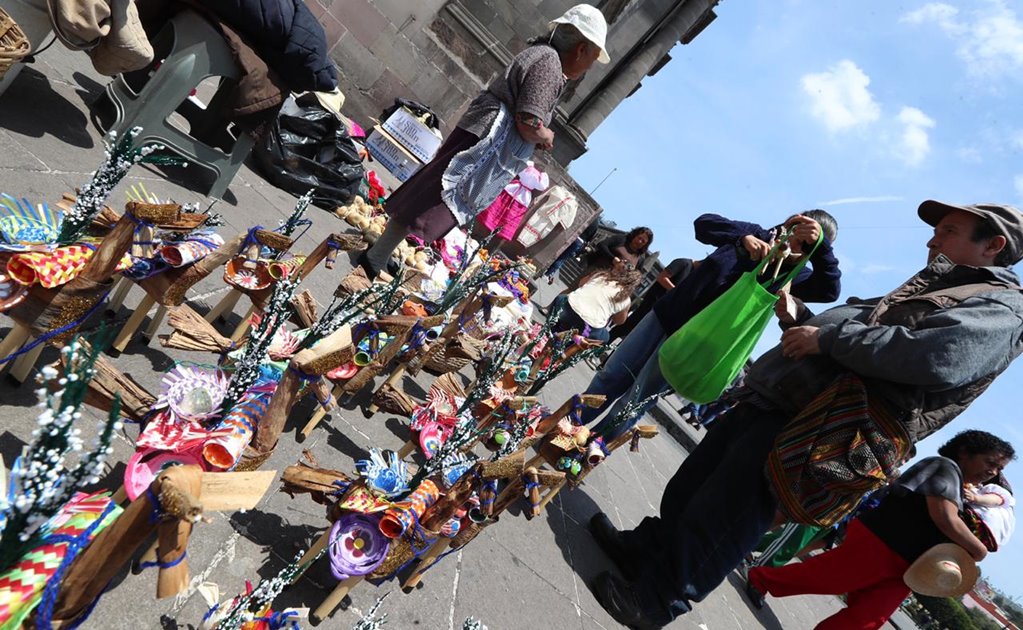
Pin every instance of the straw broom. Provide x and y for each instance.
(192, 332)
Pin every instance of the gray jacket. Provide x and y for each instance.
(928, 349)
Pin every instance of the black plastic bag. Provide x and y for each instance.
(307, 147)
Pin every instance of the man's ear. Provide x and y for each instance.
(996, 245)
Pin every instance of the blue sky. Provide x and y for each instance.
(861, 108)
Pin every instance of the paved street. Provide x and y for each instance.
(519, 574)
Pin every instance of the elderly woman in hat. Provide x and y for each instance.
(495, 137)
(922, 511)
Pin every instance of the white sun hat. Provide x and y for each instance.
(589, 21)
(944, 570)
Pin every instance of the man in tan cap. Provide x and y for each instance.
(925, 351)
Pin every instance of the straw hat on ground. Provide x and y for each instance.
(944, 570)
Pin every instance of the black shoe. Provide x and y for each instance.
(620, 600)
(609, 539)
(754, 595)
(363, 261)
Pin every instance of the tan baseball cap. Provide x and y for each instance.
(1007, 219)
(589, 21)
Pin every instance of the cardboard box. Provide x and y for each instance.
(415, 136)
(391, 154)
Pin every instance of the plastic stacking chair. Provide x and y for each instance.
(189, 50)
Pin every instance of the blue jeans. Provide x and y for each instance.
(569, 320)
(713, 512)
(573, 249)
(632, 373)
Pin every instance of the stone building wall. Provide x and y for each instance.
(443, 52)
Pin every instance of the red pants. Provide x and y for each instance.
(863, 567)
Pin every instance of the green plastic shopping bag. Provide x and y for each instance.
(702, 358)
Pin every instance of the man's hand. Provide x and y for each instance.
(786, 308)
(805, 229)
(757, 248)
(546, 141)
(800, 341)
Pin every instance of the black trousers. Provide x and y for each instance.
(713, 512)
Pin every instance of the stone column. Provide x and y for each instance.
(628, 75)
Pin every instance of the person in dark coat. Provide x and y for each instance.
(287, 35)
(633, 372)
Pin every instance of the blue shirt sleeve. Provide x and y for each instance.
(716, 230)
(821, 279)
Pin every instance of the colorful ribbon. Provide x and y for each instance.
(193, 248)
(55, 268)
(224, 451)
(398, 519)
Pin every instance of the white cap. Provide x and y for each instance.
(589, 21)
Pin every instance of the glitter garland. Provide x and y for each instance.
(493, 368)
(553, 371)
(247, 367)
(119, 157)
(288, 226)
(370, 621)
(553, 315)
(39, 484)
(381, 298)
(630, 411)
(245, 608)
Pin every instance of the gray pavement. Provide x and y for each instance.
(519, 574)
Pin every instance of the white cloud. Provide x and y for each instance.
(839, 97)
(971, 155)
(1016, 139)
(914, 143)
(859, 200)
(989, 41)
(877, 268)
(944, 15)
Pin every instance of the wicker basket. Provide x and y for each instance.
(14, 45)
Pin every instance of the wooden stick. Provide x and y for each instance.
(120, 292)
(23, 365)
(318, 415)
(406, 449)
(508, 496)
(103, 264)
(318, 545)
(148, 556)
(154, 322)
(225, 305)
(391, 381)
(535, 461)
(332, 601)
(133, 323)
(244, 325)
(305, 308)
(276, 415)
(425, 562)
(553, 492)
(16, 338)
(120, 495)
(534, 492)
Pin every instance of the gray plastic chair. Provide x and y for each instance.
(195, 50)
